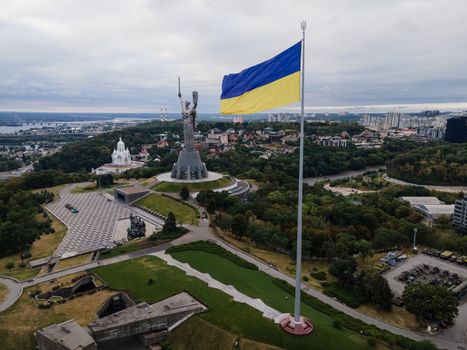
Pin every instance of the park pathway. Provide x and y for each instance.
(258, 304)
(14, 292)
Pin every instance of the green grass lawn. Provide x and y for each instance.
(234, 317)
(163, 205)
(193, 187)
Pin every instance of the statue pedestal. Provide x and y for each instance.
(189, 166)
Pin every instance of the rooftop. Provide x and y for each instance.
(181, 302)
(69, 334)
(422, 200)
(132, 189)
(436, 209)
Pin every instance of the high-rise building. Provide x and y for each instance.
(459, 218)
(456, 129)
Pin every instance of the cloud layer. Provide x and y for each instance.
(122, 55)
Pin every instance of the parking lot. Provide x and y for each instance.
(93, 226)
(457, 332)
(418, 261)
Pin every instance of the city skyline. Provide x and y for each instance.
(122, 56)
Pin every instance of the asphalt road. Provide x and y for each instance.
(452, 189)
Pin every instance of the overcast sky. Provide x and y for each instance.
(125, 55)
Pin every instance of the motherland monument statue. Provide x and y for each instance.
(189, 165)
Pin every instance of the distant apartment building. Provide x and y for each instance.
(397, 120)
(431, 133)
(459, 217)
(279, 117)
(238, 120)
(456, 129)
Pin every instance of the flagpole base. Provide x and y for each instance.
(303, 327)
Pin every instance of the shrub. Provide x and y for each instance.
(336, 290)
(22, 264)
(9, 265)
(34, 293)
(55, 287)
(306, 278)
(372, 342)
(150, 281)
(337, 324)
(320, 276)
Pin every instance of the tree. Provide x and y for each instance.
(170, 224)
(104, 180)
(9, 265)
(223, 221)
(184, 193)
(364, 248)
(376, 289)
(239, 225)
(430, 302)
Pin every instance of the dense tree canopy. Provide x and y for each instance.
(430, 302)
(8, 163)
(444, 164)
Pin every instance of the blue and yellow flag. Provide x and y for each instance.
(270, 84)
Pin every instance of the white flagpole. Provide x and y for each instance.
(298, 266)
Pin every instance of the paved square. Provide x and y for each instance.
(93, 227)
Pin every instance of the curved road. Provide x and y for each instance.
(15, 289)
(452, 189)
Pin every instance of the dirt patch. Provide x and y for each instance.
(399, 316)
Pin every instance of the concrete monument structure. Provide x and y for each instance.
(189, 165)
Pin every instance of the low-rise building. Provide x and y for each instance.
(68, 335)
(430, 207)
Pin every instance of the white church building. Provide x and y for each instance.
(121, 161)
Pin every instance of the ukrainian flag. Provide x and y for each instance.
(270, 84)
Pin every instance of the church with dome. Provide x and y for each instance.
(121, 161)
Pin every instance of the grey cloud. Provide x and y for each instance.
(126, 55)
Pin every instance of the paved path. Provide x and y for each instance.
(257, 304)
(14, 292)
(452, 189)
